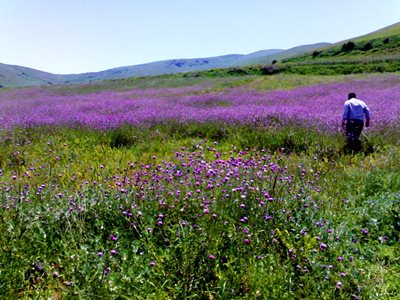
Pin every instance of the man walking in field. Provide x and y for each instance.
(354, 112)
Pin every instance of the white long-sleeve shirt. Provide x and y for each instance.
(355, 109)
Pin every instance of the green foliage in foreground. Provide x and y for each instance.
(298, 219)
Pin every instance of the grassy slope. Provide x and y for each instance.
(13, 76)
(379, 45)
(293, 52)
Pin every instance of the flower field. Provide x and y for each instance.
(199, 193)
(317, 105)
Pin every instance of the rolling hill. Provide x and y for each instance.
(383, 44)
(11, 76)
(292, 52)
(17, 76)
(169, 67)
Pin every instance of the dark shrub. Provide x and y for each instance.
(316, 53)
(349, 46)
(367, 46)
(237, 71)
(270, 70)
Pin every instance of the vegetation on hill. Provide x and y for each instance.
(375, 52)
(378, 52)
(385, 48)
(307, 68)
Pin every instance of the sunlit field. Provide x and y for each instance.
(205, 190)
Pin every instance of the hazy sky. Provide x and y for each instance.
(75, 36)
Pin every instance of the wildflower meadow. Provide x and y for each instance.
(202, 191)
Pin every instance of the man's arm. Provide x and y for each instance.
(344, 116)
(366, 112)
(367, 122)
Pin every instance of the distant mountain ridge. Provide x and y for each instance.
(384, 42)
(172, 66)
(18, 76)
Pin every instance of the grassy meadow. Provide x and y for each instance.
(173, 187)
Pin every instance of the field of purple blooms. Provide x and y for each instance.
(316, 105)
(198, 192)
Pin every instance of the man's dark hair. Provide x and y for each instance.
(352, 95)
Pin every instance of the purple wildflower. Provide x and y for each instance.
(323, 246)
(338, 285)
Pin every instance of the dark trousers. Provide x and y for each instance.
(353, 132)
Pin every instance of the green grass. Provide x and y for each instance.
(61, 211)
(284, 80)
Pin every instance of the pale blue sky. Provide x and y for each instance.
(75, 36)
